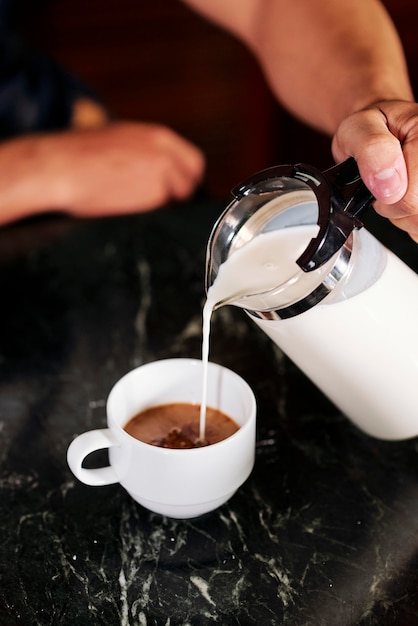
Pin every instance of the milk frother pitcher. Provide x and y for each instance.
(347, 312)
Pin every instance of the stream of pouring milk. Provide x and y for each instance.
(265, 262)
(360, 349)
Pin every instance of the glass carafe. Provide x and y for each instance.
(351, 324)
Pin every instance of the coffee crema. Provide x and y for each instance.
(177, 425)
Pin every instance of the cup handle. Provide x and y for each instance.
(85, 444)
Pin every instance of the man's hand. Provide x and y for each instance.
(124, 167)
(383, 139)
(119, 167)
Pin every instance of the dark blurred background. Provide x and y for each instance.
(159, 61)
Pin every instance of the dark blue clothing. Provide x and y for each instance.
(36, 94)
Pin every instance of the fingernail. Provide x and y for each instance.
(387, 183)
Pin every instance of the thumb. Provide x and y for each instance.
(366, 136)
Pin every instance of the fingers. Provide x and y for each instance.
(378, 152)
(122, 167)
(384, 141)
(184, 167)
(408, 224)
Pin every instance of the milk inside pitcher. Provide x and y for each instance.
(351, 324)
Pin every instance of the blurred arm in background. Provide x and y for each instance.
(60, 149)
(338, 66)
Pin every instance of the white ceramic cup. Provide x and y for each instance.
(177, 483)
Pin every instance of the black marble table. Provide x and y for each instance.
(325, 530)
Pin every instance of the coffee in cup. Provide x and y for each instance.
(177, 425)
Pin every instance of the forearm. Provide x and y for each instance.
(121, 167)
(28, 184)
(324, 59)
(35, 169)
